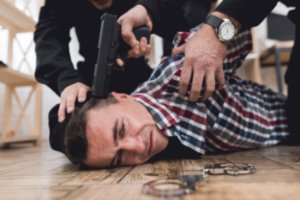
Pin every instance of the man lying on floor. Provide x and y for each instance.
(131, 129)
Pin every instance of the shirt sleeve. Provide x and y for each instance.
(248, 12)
(54, 65)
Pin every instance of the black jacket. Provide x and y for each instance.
(168, 15)
(57, 17)
(251, 12)
(248, 12)
(54, 66)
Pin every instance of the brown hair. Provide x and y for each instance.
(75, 139)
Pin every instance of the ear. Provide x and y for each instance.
(121, 96)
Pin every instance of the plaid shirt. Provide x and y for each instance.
(243, 115)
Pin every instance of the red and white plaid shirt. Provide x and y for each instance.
(243, 115)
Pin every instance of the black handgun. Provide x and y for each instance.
(110, 47)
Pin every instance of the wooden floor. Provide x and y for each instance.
(28, 172)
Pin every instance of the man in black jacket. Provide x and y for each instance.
(207, 49)
(54, 66)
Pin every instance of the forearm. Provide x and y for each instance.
(54, 66)
(158, 8)
(248, 13)
(167, 16)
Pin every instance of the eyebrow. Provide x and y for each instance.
(115, 139)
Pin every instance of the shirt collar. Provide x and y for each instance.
(163, 116)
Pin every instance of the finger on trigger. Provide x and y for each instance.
(119, 62)
(128, 35)
(134, 53)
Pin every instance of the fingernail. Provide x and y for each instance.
(81, 99)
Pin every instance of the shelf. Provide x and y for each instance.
(14, 19)
(15, 78)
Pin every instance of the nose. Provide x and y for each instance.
(133, 145)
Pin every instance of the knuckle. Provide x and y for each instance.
(83, 92)
(199, 69)
(136, 51)
(184, 84)
(61, 113)
(70, 100)
(210, 90)
(189, 58)
(208, 94)
(193, 97)
(195, 93)
(125, 33)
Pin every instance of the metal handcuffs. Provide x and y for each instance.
(177, 186)
(229, 168)
(184, 184)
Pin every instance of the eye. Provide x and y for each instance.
(122, 131)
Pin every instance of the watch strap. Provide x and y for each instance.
(214, 21)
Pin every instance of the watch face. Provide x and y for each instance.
(226, 31)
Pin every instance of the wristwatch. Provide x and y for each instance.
(224, 28)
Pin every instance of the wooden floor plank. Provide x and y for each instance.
(110, 192)
(39, 193)
(94, 177)
(147, 172)
(37, 172)
(246, 191)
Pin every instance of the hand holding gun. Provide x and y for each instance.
(110, 47)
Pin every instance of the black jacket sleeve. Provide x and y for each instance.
(54, 66)
(168, 16)
(248, 12)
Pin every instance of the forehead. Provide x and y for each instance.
(99, 133)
